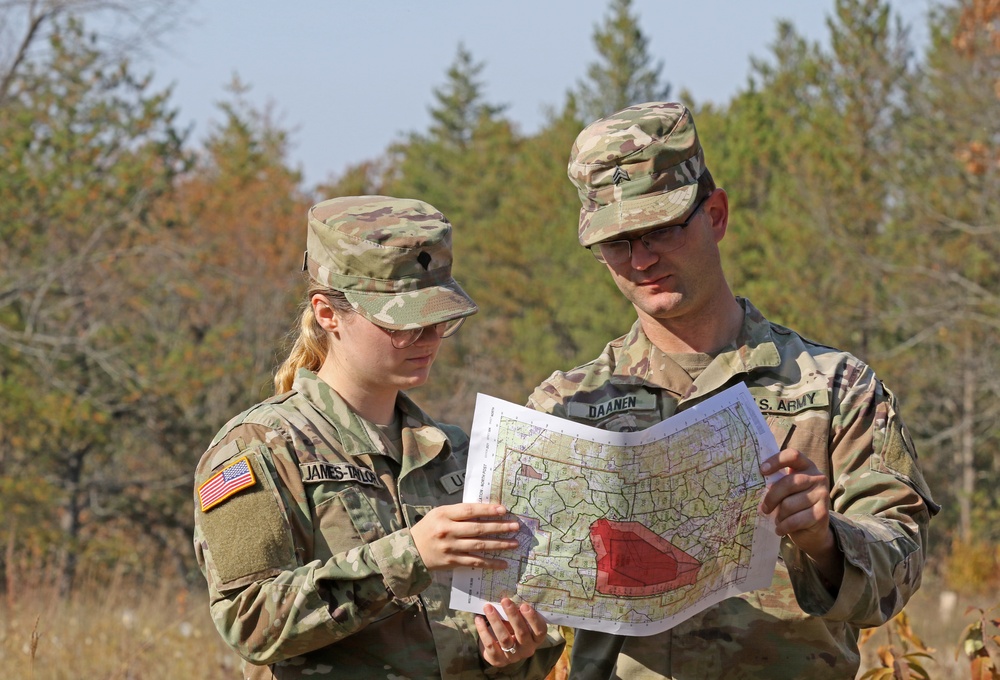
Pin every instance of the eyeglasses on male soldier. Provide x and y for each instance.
(659, 241)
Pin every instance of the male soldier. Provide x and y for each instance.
(853, 509)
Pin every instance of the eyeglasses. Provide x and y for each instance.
(658, 241)
(401, 339)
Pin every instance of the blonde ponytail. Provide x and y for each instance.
(311, 346)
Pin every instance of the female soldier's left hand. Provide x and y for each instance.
(505, 642)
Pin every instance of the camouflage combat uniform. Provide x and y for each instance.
(831, 407)
(311, 568)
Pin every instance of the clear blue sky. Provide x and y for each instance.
(350, 77)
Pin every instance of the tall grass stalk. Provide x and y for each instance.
(111, 630)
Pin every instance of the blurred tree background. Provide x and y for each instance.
(142, 277)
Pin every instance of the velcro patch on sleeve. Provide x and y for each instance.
(249, 537)
(228, 481)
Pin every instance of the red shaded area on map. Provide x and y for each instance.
(633, 561)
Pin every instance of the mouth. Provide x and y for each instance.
(651, 282)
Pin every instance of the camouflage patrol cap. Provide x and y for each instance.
(635, 169)
(391, 257)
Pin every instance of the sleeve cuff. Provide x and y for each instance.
(810, 591)
(400, 564)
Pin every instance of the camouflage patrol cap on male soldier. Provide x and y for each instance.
(391, 257)
(635, 169)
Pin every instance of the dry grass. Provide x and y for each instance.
(112, 632)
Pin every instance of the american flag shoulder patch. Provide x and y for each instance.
(235, 477)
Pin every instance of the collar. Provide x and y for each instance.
(639, 361)
(422, 440)
(754, 349)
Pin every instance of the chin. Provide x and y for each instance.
(414, 379)
(666, 303)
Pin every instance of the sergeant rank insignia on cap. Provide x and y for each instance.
(226, 482)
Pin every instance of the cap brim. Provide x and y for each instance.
(623, 217)
(414, 309)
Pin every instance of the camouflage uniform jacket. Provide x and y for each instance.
(831, 407)
(311, 569)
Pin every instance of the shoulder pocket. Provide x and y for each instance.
(895, 453)
(248, 535)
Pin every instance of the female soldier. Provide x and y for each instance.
(329, 517)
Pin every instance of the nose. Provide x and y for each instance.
(642, 257)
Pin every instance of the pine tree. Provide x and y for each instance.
(462, 166)
(87, 151)
(625, 73)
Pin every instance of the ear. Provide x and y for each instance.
(717, 208)
(324, 312)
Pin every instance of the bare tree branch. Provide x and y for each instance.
(945, 276)
(27, 23)
(35, 22)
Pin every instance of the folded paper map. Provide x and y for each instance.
(623, 532)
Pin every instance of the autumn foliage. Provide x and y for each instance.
(148, 281)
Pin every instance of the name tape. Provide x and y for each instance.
(771, 403)
(641, 401)
(453, 482)
(316, 473)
